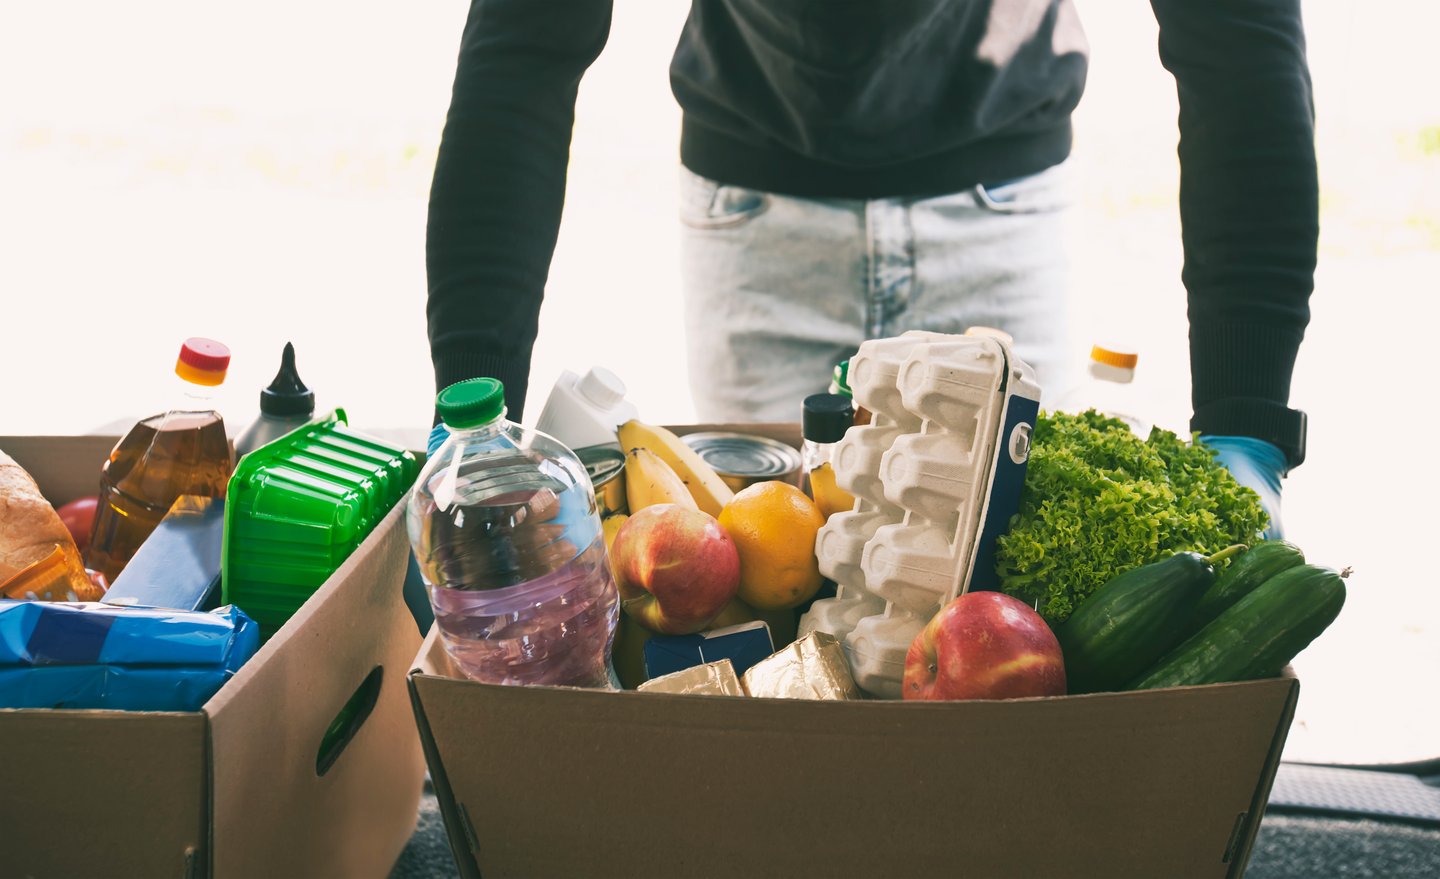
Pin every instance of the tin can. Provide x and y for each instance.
(605, 464)
(741, 459)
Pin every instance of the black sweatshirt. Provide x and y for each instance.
(868, 99)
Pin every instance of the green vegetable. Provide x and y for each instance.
(1261, 562)
(1127, 624)
(1258, 635)
(1099, 500)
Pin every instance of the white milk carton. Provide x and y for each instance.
(937, 476)
(584, 410)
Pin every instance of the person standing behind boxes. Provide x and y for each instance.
(854, 169)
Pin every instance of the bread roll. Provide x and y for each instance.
(29, 527)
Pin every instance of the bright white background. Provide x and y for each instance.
(258, 173)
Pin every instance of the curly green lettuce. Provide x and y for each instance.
(1098, 500)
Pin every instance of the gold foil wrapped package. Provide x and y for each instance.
(710, 679)
(812, 668)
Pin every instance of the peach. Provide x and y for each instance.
(676, 568)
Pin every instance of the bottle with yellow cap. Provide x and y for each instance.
(182, 451)
(1109, 388)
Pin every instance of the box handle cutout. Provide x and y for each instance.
(348, 722)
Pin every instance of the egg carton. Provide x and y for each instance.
(841, 542)
(936, 475)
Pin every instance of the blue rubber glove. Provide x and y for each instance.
(1257, 465)
(438, 435)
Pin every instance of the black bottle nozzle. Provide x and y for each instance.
(287, 395)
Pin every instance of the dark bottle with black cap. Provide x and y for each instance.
(824, 422)
(284, 406)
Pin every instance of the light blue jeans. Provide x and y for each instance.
(779, 289)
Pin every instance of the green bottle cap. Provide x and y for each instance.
(841, 378)
(471, 403)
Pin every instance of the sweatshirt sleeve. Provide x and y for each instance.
(499, 184)
(1249, 207)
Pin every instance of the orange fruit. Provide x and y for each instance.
(774, 525)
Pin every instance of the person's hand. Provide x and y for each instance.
(1258, 466)
(438, 435)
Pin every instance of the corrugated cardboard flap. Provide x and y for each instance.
(1248, 828)
(550, 781)
(275, 813)
(432, 661)
(129, 784)
(53, 462)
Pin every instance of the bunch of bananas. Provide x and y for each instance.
(661, 469)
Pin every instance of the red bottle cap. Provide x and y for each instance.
(203, 361)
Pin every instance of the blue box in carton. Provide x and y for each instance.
(178, 565)
(744, 645)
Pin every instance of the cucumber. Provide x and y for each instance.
(1128, 623)
(1256, 565)
(1258, 635)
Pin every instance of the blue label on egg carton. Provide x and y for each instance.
(1007, 468)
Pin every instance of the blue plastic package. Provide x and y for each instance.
(93, 655)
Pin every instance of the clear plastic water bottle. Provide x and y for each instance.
(1109, 388)
(507, 534)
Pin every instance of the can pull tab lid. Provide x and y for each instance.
(601, 387)
(287, 394)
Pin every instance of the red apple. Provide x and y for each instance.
(676, 568)
(78, 516)
(984, 645)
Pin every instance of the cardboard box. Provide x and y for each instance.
(250, 785)
(541, 781)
